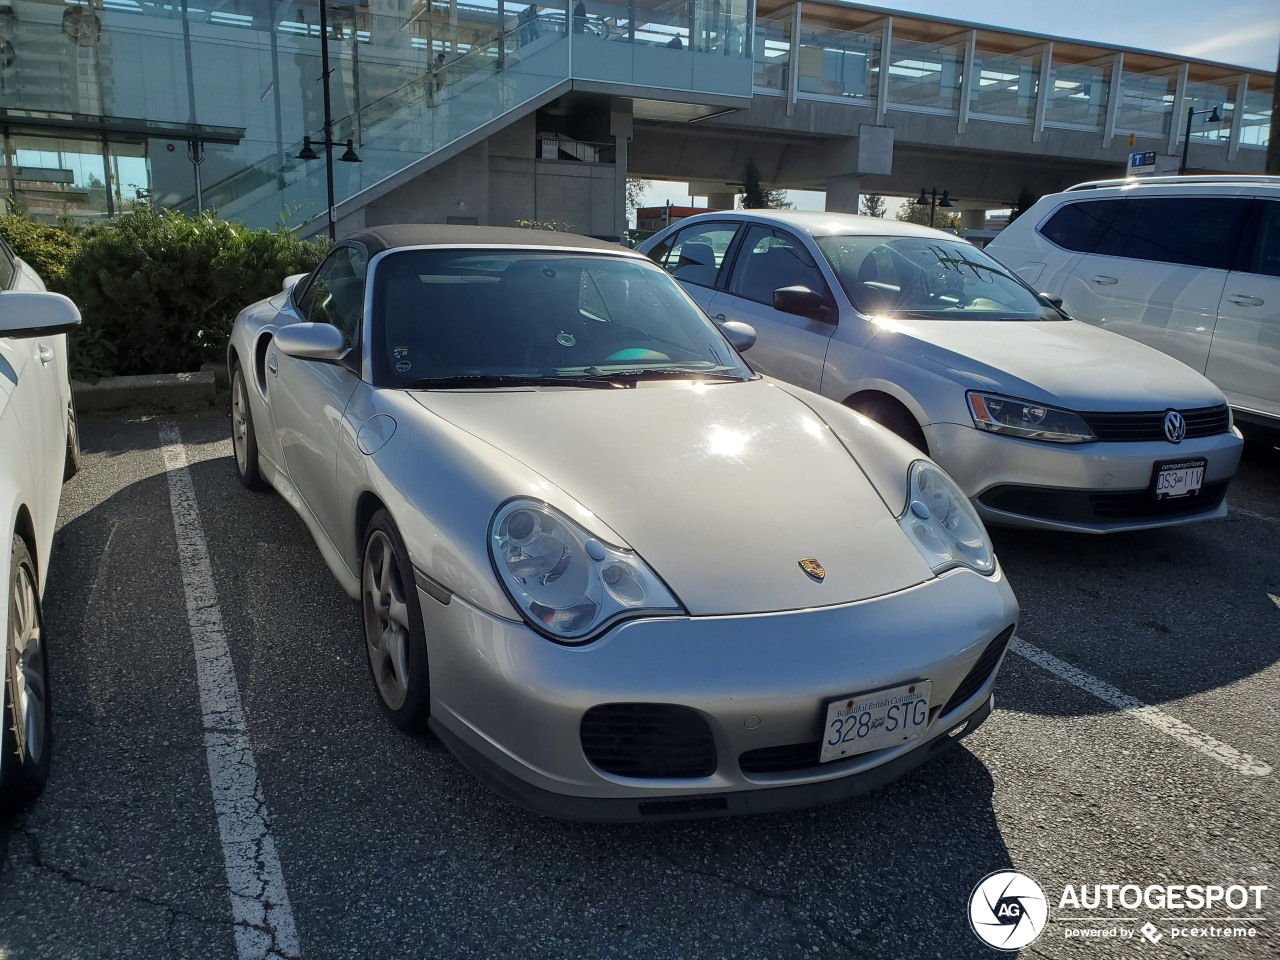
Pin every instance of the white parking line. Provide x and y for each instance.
(1252, 515)
(260, 909)
(1172, 726)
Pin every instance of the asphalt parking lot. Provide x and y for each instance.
(389, 848)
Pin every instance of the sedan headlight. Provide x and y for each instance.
(1033, 421)
(942, 523)
(567, 583)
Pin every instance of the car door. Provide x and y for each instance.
(309, 396)
(37, 400)
(788, 347)
(1158, 271)
(695, 256)
(1244, 360)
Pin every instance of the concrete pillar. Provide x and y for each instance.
(973, 219)
(843, 193)
(621, 127)
(721, 201)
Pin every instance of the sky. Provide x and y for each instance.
(1239, 32)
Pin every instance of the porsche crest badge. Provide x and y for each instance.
(813, 568)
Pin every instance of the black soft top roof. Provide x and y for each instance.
(377, 239)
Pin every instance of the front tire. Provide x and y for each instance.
(71, 465)
(243, 437)
(28, 713)
(395, 640)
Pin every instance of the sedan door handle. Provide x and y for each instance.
(1103, 281)
(720, 317)
(271, 364)
(45, 353)
(1241, 300)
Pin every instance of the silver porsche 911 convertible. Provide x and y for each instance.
(621, 576)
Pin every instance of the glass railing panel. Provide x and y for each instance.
(1004, 86)
(1078, 95)
(839, 63)
(772, 54)
(1255, 124)
(1206, 96)
(925, 75)
(703, 46)
(1146, 103)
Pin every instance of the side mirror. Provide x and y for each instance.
(26, 314)
(291, 281)
(1050, 299)
(312, 341)
(741, 335)
(800, 301)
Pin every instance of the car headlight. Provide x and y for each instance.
(942, 523)
(566, 582)
(1033, 421)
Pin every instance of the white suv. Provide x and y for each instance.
(1188, 265)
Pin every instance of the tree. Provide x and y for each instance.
(755, 196)
(635, 192)
(919, 213)
(873, 205)
(1026, 199)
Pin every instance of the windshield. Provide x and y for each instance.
(457, 318)
(928, 277)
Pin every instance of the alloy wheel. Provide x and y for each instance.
(240, 421)
(386, 620)
(28, 684)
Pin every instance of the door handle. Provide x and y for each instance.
(1103, 281)
(1241, 300)
(720, 317)
(271, 364)
(45, 353)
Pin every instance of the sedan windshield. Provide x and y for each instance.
(493, 318)
(927, 277)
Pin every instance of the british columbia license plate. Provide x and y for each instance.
(871, 721)
(1178, 478)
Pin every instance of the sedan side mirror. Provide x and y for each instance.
(26, 314)
(312, 341)
(802, 302)
(1050, 299)
(741, 335)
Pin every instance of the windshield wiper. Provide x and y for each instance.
(595, 374)
(496, 380)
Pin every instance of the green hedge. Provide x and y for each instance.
(158, 291)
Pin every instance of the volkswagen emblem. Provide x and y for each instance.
(1175, 426)
(813, 568)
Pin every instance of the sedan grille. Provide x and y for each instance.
(1140, 427)
(1097, 506)
(648, 740)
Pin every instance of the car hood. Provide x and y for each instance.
(1066, 362)
(723, 488)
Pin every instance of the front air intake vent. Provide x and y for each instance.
(648, 740)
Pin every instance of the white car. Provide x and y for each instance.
(39, 449)
(1188, 265)
(1043, 421)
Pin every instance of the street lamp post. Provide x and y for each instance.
(1186, 140)
(307, 153)
(931, 198)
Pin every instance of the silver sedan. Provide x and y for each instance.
(617, 573)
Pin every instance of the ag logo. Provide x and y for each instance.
(1007, 910)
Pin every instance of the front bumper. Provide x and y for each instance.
(511, 704)
(1098, 487)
